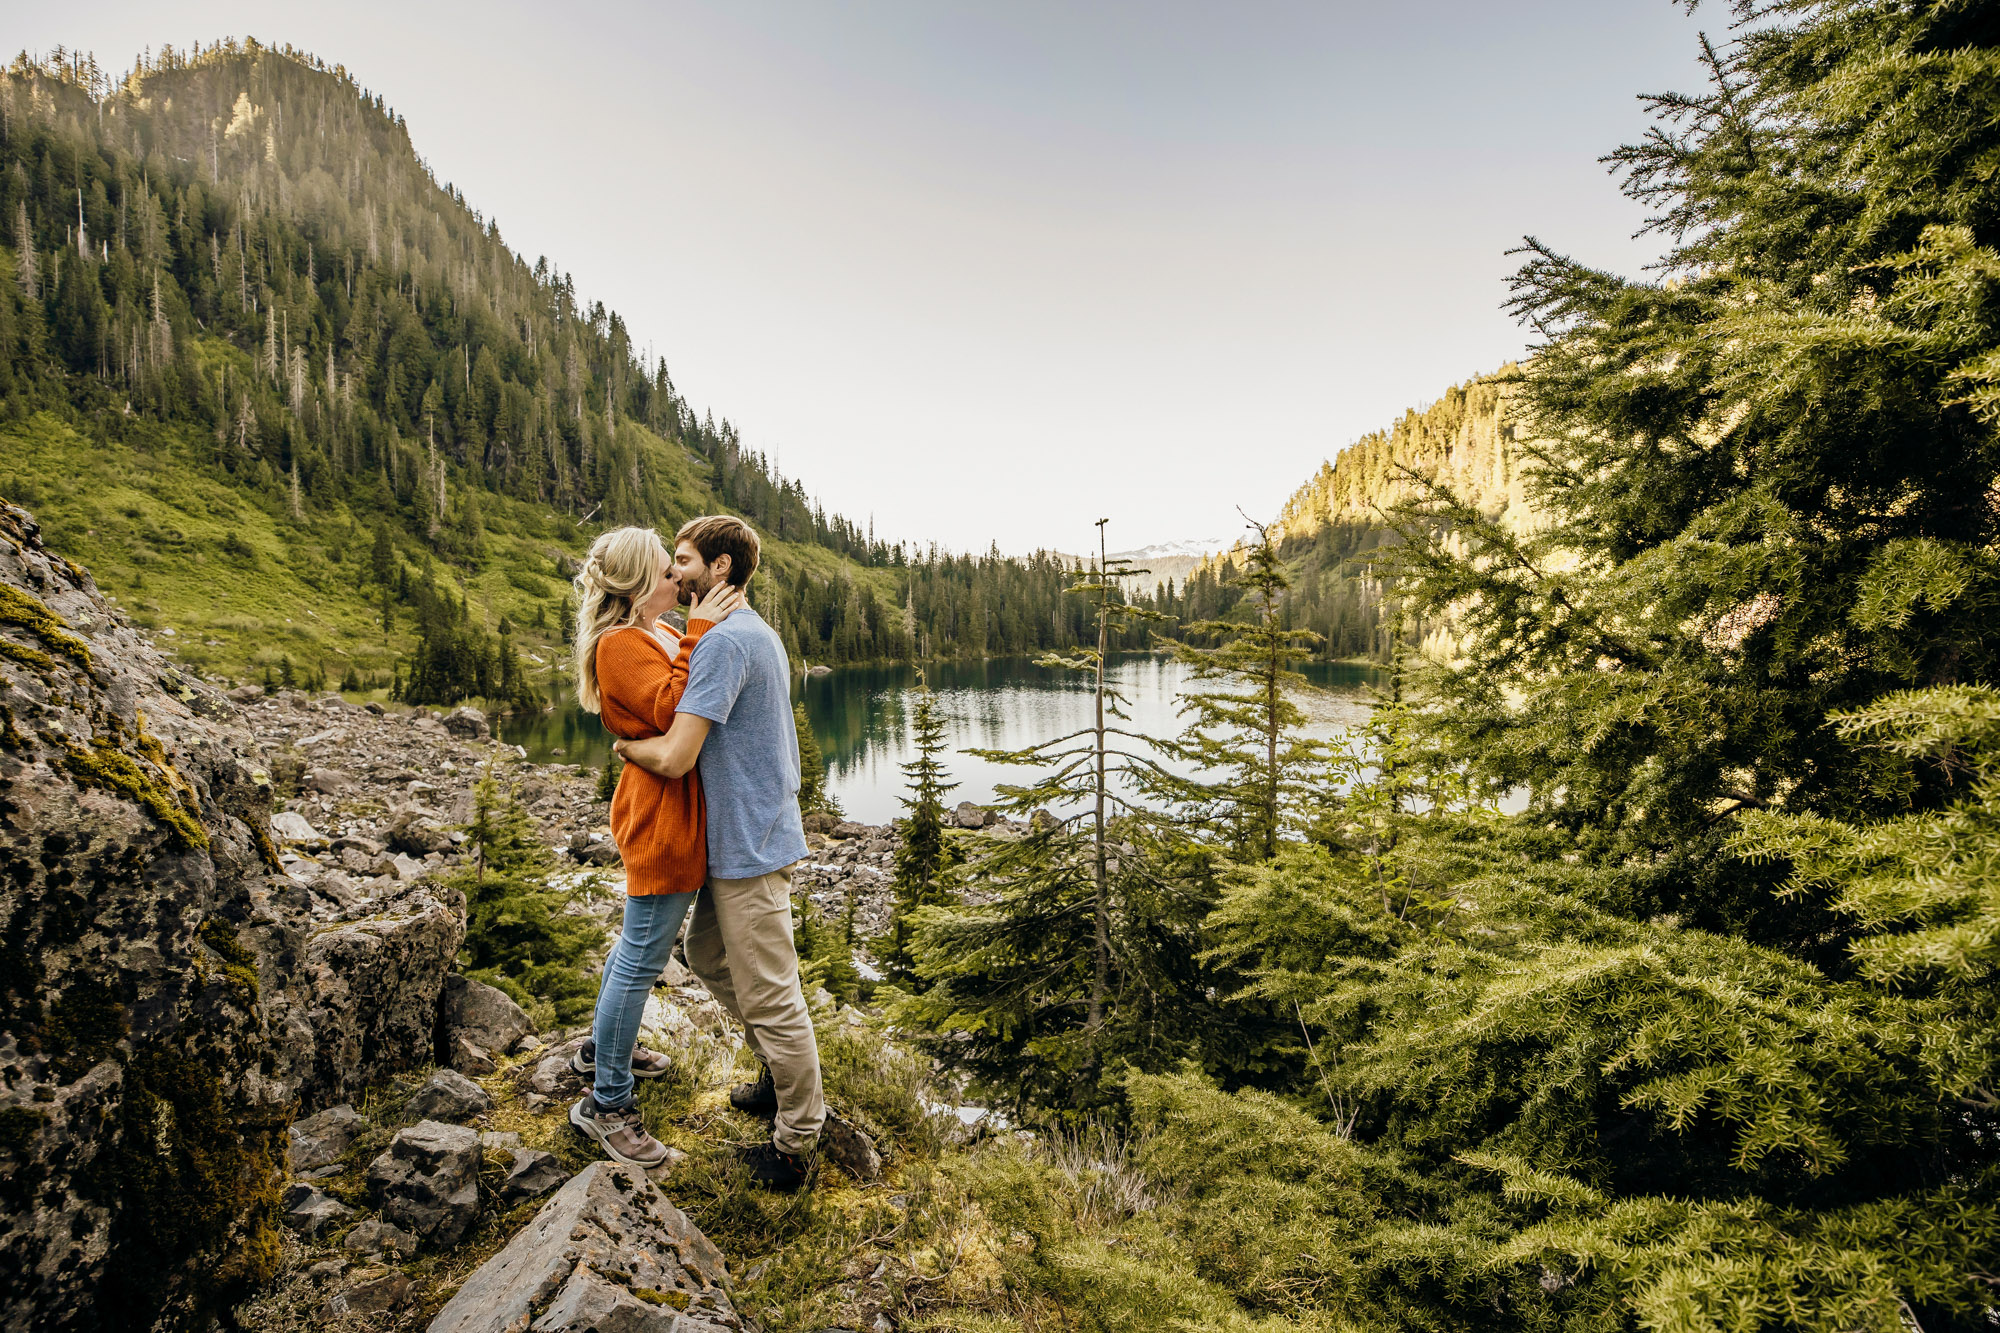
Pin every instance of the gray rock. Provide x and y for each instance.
(335, 888)
(469, 1008)
(417, 836)
(320, 1138)
(843, 1143)
(374, 989)
(1041, 821)
(533, 1174)
(407, 869)
(153, 906)
(375, 1236)
(311, 1213)
(291, 826)
(428, 1181)
(468, 724)
(968, 815)
(847, 828)
(608, 1227)
(552, 1075)
(589, 1304)
(468, 1057)
(369, 1291)
(590, 850)
(448, 1095)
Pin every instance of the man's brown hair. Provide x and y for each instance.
(717, 535)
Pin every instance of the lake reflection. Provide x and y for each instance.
(862, 718)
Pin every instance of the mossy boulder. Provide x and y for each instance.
(157, 1006)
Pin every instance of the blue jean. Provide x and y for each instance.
(645, 943)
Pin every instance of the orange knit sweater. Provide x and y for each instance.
(660, 823)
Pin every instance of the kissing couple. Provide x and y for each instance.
(706, 817)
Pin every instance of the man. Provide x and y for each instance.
(735, 723)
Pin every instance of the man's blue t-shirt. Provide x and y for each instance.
(740, 680)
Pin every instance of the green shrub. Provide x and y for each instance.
(518, 934)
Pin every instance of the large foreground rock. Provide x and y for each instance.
(152, 1035)
(608, 1234)
(428, 1181)
(375, 986)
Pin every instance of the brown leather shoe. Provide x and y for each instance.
(772, 1168)
(759, 1098)
(621, 1133)
(646, 1062)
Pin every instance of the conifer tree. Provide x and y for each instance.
(1696, 1040)
(813, 795)
(1086, 958)
(519, 935)
(1245, 724)
(924, 855)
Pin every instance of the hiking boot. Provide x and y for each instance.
(759, 1098)
(621, 1133)
(645, 1063)
(772, 1168)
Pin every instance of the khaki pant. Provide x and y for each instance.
(740, 945)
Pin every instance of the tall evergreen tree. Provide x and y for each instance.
(813, 795)
(1085, 960)
(1245, 724)
(923, 855)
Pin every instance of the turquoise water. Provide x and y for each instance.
(862, 718)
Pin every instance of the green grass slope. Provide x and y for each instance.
(242, 585)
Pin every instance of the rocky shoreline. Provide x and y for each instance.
(372, 796)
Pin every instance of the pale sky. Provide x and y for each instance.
(988, 272)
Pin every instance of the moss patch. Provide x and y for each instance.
(20, 610)
(18, 1127)
(155, 754)
(84, 1026)
(195, 1192)
(679, 1300)
(32, 658)
(108, 769)
(238, 963)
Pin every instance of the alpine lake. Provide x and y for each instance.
(861, 716)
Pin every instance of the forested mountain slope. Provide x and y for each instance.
(297, 401)
(1334, 526)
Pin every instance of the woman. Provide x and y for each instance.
(631, 669)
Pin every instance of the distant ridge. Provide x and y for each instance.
(1332, 528)
(1467, 440)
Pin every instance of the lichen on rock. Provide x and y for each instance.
(146, 1070)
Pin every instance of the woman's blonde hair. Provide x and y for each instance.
(621, 572)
